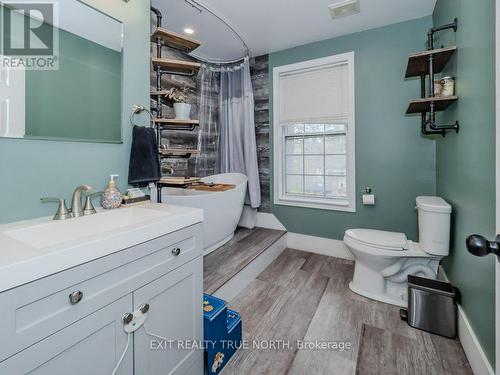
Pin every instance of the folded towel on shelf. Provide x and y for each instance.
(144, 164)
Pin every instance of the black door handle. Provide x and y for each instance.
(480, 246)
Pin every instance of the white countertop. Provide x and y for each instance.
(33, 249)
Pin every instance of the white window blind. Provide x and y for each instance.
(315, 95)
(314, 133)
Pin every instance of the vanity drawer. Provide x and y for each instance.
(36, 310)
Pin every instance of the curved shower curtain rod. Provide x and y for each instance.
(200, 7)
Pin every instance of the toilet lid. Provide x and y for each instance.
(379, 238)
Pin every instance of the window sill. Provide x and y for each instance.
(343, 206)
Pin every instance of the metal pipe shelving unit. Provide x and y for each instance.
(164, 38)
(426, 65)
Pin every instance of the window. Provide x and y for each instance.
(314, 133)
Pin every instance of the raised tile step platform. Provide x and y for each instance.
(229, 269)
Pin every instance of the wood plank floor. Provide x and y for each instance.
(304, 296)
(225, 262)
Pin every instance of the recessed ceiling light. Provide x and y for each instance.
(344, 8)
(188, 31)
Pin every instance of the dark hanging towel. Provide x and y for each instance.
(144, 164)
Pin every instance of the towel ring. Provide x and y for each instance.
(136, 109)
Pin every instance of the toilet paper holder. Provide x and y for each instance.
(368, 198)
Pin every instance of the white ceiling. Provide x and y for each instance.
(274, 25)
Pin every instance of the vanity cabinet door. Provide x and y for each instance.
(92, 345)
(175, 313)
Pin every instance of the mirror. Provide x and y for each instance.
(60, 72)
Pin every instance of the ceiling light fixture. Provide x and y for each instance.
(188, 31)
(344, 8)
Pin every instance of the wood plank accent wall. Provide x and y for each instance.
(189, 139)
(259, 69)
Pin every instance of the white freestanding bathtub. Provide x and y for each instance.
(222, 209)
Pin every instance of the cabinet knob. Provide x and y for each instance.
(144, 308)
(75, 297)
(127, 318)
(176, 251)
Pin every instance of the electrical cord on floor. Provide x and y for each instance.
(123, 355)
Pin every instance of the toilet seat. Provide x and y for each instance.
(379, 239)
(382, 243)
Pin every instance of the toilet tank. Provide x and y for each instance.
(434, 225)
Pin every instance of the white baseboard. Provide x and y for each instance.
(241, 280)
(318, 245)
(312, 244)
(472, 348)
(265, 220)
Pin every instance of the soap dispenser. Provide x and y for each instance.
(111, 198)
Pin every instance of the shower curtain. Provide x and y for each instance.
(237, 143)
(207, 161)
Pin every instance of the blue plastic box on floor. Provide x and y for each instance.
(222, 333)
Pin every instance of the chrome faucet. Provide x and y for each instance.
(76, 202)
(62, 211)
(76, 206)
(88, 208)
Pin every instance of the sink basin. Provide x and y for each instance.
(58, 232)
(36, 248)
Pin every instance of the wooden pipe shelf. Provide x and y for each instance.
(177, 152)
(179, 182)
(173, 40)
(418, 63)
(173, 121)
(174, 124)
(171, 66)
(424, 104)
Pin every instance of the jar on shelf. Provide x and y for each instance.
(448, 86)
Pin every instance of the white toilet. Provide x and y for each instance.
(385, 259)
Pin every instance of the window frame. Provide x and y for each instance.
(279, 148)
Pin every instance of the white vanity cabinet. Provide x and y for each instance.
(43, 331)
(90, 346)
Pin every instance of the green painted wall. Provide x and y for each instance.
(391, 155)
(77, 101)
(466, 162)
(31, 169)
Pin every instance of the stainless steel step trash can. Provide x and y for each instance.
(432, 306)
